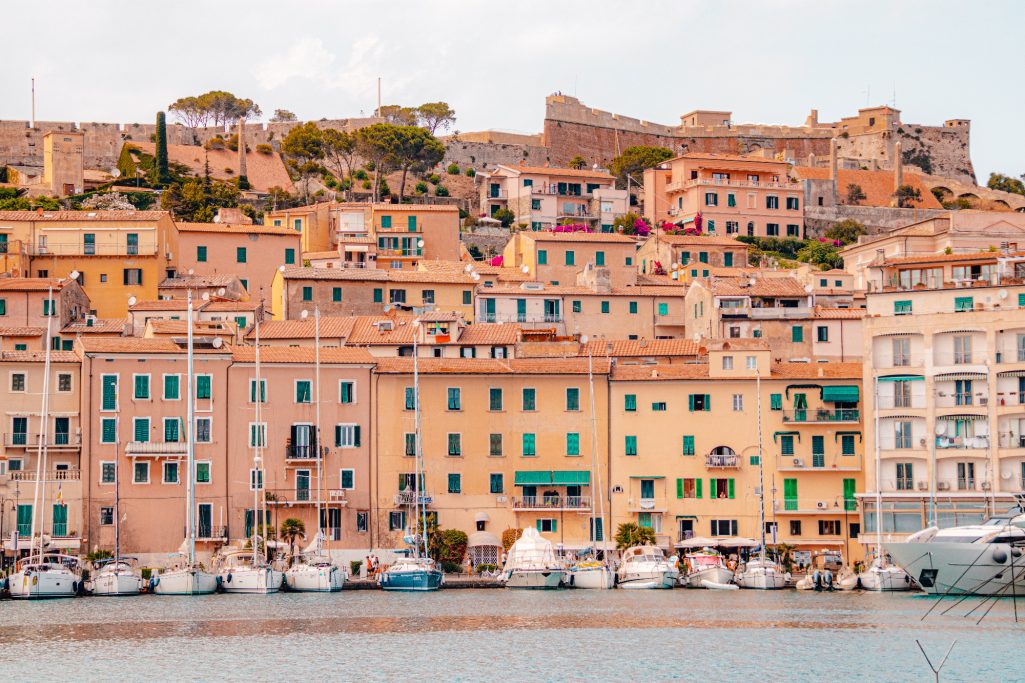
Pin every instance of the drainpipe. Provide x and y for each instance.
(375, 471)
(608, 451)
(86, 410)
(227, 432)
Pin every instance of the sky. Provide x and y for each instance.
(494, 63)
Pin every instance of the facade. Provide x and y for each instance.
(64, 162)
(25, 303)
(558, 258)
(726, 194)
(22, 376)
(543, 197)
(690, 255)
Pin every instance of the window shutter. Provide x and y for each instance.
(355, 436)
(555, 525)
(690, 402)
(679, 488)
(711, 489)
(338, 435)
(697, 487)
(730, 485)
(538, 523)
(708, 402)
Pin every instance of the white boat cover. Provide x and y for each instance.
(531, 551)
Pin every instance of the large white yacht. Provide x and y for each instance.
(50, 575)
(983, 559)
(646, 566)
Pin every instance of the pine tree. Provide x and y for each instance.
(163, 176)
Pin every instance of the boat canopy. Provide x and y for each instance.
(530, 551)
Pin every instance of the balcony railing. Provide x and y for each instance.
(52, 475)
(400, 252)
(209, 532)
(413, 498)
(1012, 398)
(764, 313)
(722, 461)
(552, 503)
(891, 402)
(820, 462)
(1011, 440)
(497, 194)
(56, 440)
(100, 249)
(679, 185)
(304, 452)
(1012, 356)
(822, 415)
(962, 442)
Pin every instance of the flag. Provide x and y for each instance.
(60, 494)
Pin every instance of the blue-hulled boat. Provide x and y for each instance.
(412, 574)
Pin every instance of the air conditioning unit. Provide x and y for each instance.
(942, 486)
(501, 499)
(798, 462)
(822, 505)
(984, 400)
(985, 485)
(923, 486)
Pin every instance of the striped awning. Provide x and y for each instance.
(836, 437)
(896, 334)
(901, 378)
(1011, 373)
(950, 376)
(961, 416)
(961, 331)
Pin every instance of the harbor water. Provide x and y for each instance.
(473, 635)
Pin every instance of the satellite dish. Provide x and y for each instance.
(675, 266)
(808, 288)
(468, 268)
(583, 339)
(941, 428)
(1002, 294)
(132, 300)
(206, 296)
(305, 314)
(420, 244)
(74, 275)
(416, 323)
(525, 269)
(115, 172)
(220, 292)
(217, 342)
(281, 269)
(192, 271)
(476, 276)
(387, 307)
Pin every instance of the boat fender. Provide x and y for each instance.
(7, 584)
(907, 578)
(1000, 556)
(220, 580)
(1016, 552)
(75, 587)
(858, 583)
(229, 577)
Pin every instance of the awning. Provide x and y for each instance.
(951, 376)
(483, 538)
(837, 436)
(356, 247)
(776, 434)
(896, 334)
(965, 416)
(533, 478)
(840, 394)
(961, 330)
(571, 478)
(901, 378)
(482, 517)
(802, 386)
(646, 476)
(1011, 373)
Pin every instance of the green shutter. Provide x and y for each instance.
(679, 488)
(411, 223)
(356, 441)
(690, 403)
(797, 334)
(688, 445)
(336, 294)
(849, 488)
(630, 403)
(201, 254)
(697, 487)
(240, 254)
(378, 295)
(142, 430)
(572, 443)
(109, 426)
(385, 221)
(711, 488)
(730, 492)
(776, 401)
(495, 397)
(708, 402)
(171, 387)
(109, 392)
(142, 386)
(542, 257)
(203, 389)
(290, 256)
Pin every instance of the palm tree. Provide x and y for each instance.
(629, 534)
(293, 529)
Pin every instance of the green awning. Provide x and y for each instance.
(802, 386)
(840, 394)
(777, 434)
(571, 478)
(902, 378)
(647, 476)
(837, 436)
(533, 478)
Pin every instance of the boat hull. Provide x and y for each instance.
(41, 585)
(717, 575)
(960, 568)
(419, 580)
(536, 579)
(761, 578)
(252, 580)
(886, 579)
(648, 579)
(112, 584)
(592, 578)
(184, 582)
(309, 579)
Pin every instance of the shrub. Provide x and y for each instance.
(505, 216)
(481, 568)
(453, 169)
(510, 536)
(421, 187)
(434, 178)
(366, 185)
(354, 566)
(264, 148)
(470, 173)
(360, 174)
(384, 189)
(216, 142)
(441, 191)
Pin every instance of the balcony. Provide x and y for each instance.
(392, 253)
(1011, 440)
(172, 449)
(901, 402)
(1013, 356)
(102, 249)
(963, 484)
(302, 452)
(57, 441)
(208, 532)
(945, 443)
(496, 195)
(713, 461)
(681, 185)
(1011, 398)
(820, 463)
(552, 503)
(765, 312)
(822, 415)
(413, 498)
(813, 506)
(53, 475)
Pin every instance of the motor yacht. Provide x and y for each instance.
(706, 566)
(646, 566)
(761, 573)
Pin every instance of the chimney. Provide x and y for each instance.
(832, 165)
(898, 166)
(242, 149)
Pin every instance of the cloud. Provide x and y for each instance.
(306, 58)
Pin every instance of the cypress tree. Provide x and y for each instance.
(163, 176)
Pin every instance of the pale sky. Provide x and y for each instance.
(767, 62)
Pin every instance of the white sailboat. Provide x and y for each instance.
(417, 572)
(186, 576)
(761, 573)
(117, 575)
(44, 575)
(313, 571)
(590, 571)
(243, 571)
(531, 563)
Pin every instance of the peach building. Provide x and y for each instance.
(529, 464)
(21, 387)
(25, 305)
(557, 258)
(726, 194)
(692, 255)
(135, 396)
(290, 447)
(252, 253)
(118, 254)
(675, 470)
(542, 197)
(944, 345)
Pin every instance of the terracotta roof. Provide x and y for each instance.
(440, 317)
(366, 330)
(712, 156)
(317, 255)
(605, 237)
(729, 344)
(237, 229)
(38, 357)
(489, 333)
(548, 349)
(354, 274)
(641, 290)
(22, 331)
(263, 171)
(230, 306)
(99, 326)
(307, 356)
(685, 371)
(330, 327)
(56, 216)
(30, 284)
(699, 240)
(839, 313)
(197, 281)
(773, 286)
(818, 370)
(947, 258)
(164, 305)
(143, 345)
(657, 372)
(549, 170)
(422, 276)
(661, 281)
(722, 271)
(199, 327)
(877, 185)
(487, 366)
(640, 347)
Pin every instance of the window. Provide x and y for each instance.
(106, 516)
(347, 479)
(698, 402)
(396, 521)
(203, 429)
(751, 362)
(847, 444)
(786, 444)
(731, 199)
(495, 399)
(240, 254)
(378, 295)
(688, 488)
(204, 386)
(964, 303)
(172, 390)
(203, 472)
(818, 451)
(724, 527)
(962, 349)
(572, 399)
(307, 293)
(346, 392)
(529, 400)
(902, 434)
(535, 204)
(252, 391)
(257, 434)
(108, 430)
(711, 199)
(772, 229)
(18, 382)
(497, 483)
(631, 445)
(604, 306)
(905, 476)
(630, 403)
(688, 445)
(771, 202)
(829, 527)
(659, 406)
(570, 258)
(410, 439)
(303, 391)
(822, 333)
(633, 307)
(107, 472)
(89, 244)
(738, 402)
(49, 307)
(141, 473)
(576, 306)
(428, 296)
(727, 362)
(599, 258)
(172, 429)
(455, 444)
(793, 204)
(902, 307)
(572, 443)
(529, 445)
(901, 350)
(795, 527)
(336, 294)
(140, 429)
(454, 399)
(797, 334)
(467, 297)
(347, 436)
(142, 387)
(542, 257)
(170, 473)
(547, 526)
(495, 445)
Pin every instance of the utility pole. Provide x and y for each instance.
(33, 125)
(378, 95)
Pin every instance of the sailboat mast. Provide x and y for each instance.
(117, 491)
(190, 447)
(44, 416)
(595, 469)
(320, 450)
(418, 496)
(879, 495)
(259, 436)
(761, 472)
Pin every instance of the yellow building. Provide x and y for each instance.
(685, 447)
(507, 444)
(118, 254)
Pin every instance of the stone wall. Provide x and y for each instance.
(876, 219)
(484, 156)
(490, 241)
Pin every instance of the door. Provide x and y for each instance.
(302, 484)
(848, 495)
(61, 429)
(818, 451)
(331, 521)
(25, 521)
(521, 310)
(60, 519)
(551, 310)
(302, 441)
(800, 407)
(489, 310)
(789, 494)
(204, 520)
(647, 488)
(19, 431)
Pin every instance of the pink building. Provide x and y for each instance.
(24, 309)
